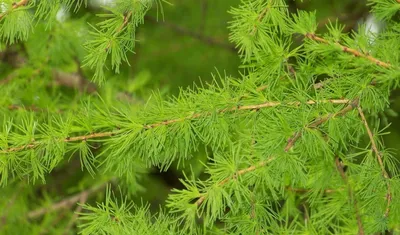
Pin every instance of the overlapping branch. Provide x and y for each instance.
(379, 158)
(35, 144)
(296, 136)
(253, 168)
(339, 167)
(290, 144)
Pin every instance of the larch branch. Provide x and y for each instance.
(250, 169)
(35, 144)
(379, 158)
(349, 50)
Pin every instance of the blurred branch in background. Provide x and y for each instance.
(198, 36)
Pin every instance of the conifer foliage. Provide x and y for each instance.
(294, 145)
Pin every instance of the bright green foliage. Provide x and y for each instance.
(115, 35)
(285, 145)
(121, 217)
(384, 9)
(12, 31)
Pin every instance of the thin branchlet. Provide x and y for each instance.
(235, 176)
(339, 167)
(380, 161)
(15, 5)
(121, 27)
(260, 18)
(296, 136)
(349, 50)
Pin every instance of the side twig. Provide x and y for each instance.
(296, 136)
(120, 28)
(291, 143)
(235, 176)
(31, 108)
(35, 144)
(259, 19)
(15, 5)
(349, 50)
(379, 158)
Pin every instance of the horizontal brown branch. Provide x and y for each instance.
(35, 144)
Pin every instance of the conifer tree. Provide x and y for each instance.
(291, 145)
